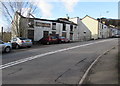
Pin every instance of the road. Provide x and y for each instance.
(52, 64)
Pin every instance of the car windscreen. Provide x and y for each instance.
(23, 38)
(1, 42)
(62, 37)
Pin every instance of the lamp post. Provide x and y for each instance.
(1, 33)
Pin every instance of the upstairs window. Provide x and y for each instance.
(31, 23)
(71, 27)
(64, 27)
(53, 26)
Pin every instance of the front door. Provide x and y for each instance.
(71, 36)
(31, 34)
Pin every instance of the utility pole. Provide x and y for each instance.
(2, 33)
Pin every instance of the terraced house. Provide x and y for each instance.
(36, 28)
(98, 29)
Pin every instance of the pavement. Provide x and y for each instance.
(105, 71)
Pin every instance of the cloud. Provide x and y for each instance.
(44, 6)
(70, 4)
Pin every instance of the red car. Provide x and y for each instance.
(49, 40)
(63, 40)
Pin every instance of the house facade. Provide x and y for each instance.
(98, 29)
(35, 28)
(103, 31)
(83, 32)
(92, 24)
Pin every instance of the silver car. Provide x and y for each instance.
(18, 42)
(5, 47)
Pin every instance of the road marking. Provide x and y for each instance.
(45, 54)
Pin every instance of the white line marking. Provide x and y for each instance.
(44, 54)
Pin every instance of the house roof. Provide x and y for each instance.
(59, 20)
(89, 17)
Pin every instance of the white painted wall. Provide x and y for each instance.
(92, 25)
(67, 31)
(38, 31)
(105, 31)
(79, 32)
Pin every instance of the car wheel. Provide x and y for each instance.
(7, 49)
(29, 46)
(59, 42)
(48, 43)
(17, 46)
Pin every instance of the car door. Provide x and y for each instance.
(54, 39)
(13, 41)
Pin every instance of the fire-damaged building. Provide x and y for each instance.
(36, 28)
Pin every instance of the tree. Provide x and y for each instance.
(9, 9)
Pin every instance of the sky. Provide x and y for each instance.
(81, 9)
(53, 9)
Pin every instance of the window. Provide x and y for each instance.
(14, 39)
(53, 26)
(31, 23)
(22, 38)
(102, 26)
(71, 27)
(75, 27)
(64, 27)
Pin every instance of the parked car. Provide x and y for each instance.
(18, 42)
(117, 36)
(63, 40)
(49, 40)
(5, 47)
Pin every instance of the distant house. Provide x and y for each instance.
(98, 29)
(83, 32)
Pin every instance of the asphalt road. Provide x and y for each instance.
(52, 64)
